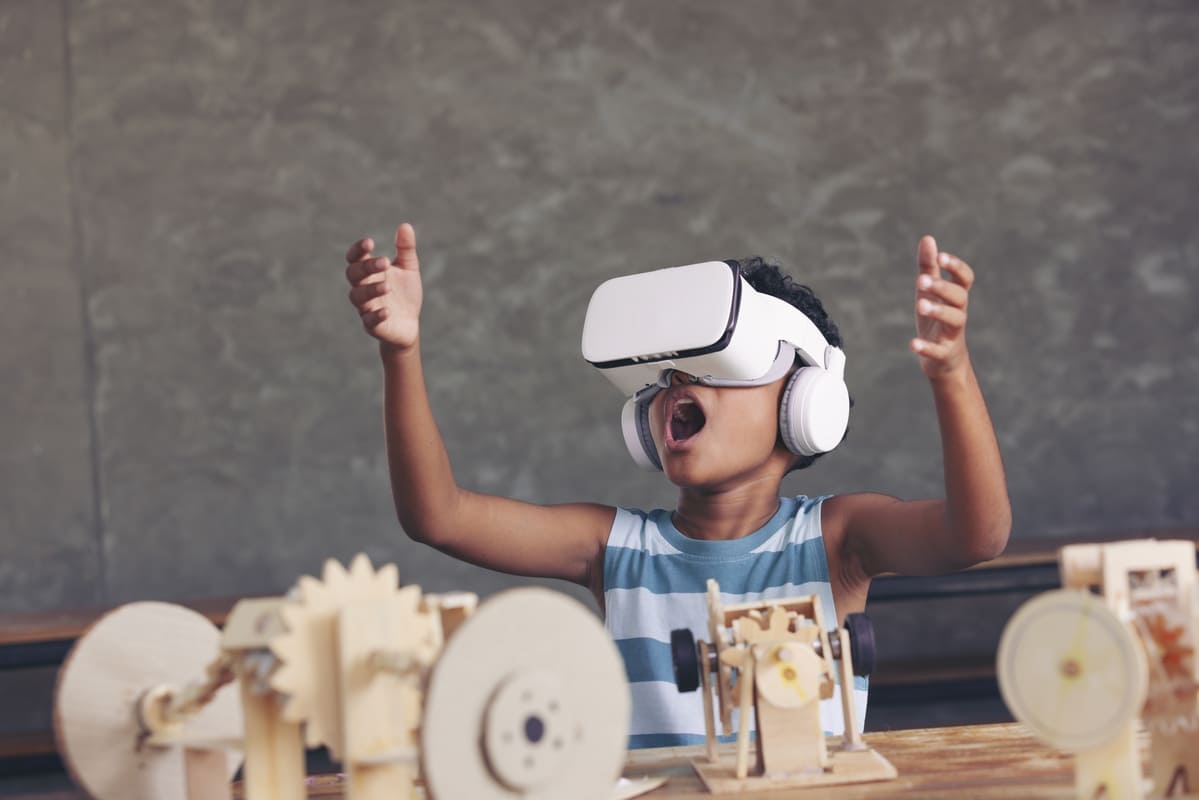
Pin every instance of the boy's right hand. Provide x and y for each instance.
(387, 293)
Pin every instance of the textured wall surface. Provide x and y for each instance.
(191, 409)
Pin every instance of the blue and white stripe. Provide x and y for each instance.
(655, 579)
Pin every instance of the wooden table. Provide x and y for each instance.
(988, 762)
(976, 762)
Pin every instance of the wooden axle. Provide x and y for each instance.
(859, 639)
(164, 707)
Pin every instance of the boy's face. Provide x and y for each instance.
(713, 438)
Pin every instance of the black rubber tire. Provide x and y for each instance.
(685, 658)
(861, 643)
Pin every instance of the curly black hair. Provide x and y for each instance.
(770, 279)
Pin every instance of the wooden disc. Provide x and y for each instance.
(790, 675)
(134, 648)
(529, 699)
(1070, 670)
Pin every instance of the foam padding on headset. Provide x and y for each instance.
(814, 411)
(634, 423)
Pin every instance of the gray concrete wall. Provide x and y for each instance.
(191, 409)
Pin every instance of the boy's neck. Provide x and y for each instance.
(725, 515)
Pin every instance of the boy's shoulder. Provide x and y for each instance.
(837, 508)
(851, 502)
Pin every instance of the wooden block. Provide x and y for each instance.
(274, 747)
(380, 708)
(206, 775)
(845, 767)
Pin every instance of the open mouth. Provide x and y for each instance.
(686, 419)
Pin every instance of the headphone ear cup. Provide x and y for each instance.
(634, 424)
(814, 411)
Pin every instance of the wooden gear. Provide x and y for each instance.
(778, 660)
(1079, 666)
(354, 656)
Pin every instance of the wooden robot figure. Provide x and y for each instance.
(779, 661)
(1082, 666)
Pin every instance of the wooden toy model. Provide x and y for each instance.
(780, 662)
(1079, 666)
(524, 698)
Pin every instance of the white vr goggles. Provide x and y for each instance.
(705, 320)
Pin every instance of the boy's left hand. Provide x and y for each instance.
(941, 300)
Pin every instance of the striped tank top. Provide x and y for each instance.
(655, 579)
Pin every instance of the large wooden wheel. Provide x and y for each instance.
(529, 699)
(129, 651)
(1071, 670)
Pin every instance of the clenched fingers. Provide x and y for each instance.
(934, 351)
(945, 291)
(371, 319)
(361, 270)
(359, 250)
(362, 294)
(959, 270)
(949, 316)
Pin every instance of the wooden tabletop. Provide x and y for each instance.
(987, 762)
(980, 762)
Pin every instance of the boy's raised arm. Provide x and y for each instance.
(973, 522)
(563, 541)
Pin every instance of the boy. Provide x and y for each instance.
(647, 571)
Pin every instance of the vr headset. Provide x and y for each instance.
(705, 320)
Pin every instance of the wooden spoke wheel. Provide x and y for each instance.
(1071, 670)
